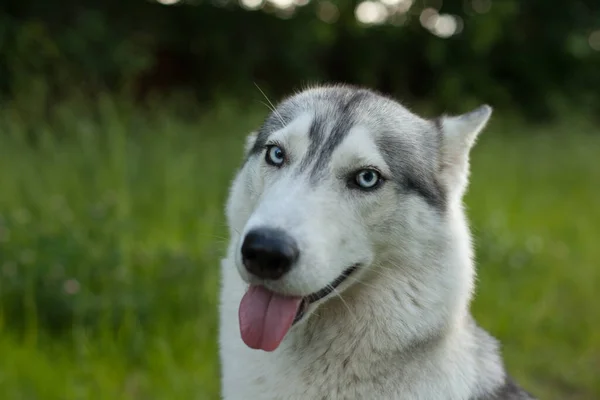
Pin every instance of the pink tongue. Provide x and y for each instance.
(265, 317)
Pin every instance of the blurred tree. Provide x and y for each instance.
(535, 56)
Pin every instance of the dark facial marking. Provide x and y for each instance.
(411, 172)
(316, 136)
(339, 131)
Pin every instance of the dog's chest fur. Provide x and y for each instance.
(330, 364)
(335, 356)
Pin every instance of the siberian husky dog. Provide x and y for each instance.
(349, 270)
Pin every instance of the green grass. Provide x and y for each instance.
(111, 229)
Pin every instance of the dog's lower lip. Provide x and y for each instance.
(316, 296)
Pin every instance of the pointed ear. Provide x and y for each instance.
(250, 140)
(458, 137)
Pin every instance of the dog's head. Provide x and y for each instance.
(337, 181)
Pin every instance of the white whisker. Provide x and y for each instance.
(272, 106)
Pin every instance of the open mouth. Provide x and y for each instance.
(265, 317)
(316, 296)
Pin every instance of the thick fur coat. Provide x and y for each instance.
(370, 196)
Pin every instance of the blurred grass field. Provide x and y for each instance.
(111, 230)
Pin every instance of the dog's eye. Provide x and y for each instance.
(367, 179)
(274, 156)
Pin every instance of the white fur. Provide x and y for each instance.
(399, 328)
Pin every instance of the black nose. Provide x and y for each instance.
(269, 253)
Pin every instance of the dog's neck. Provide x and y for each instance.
(385, 311)
(391, 330)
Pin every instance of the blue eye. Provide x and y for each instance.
(275, 156)
(367, 178)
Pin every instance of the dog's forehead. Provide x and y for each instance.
(343, 125)
(334, 112)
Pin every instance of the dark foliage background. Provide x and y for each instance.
(535, 56)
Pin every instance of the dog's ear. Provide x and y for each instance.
(250, 140)
(458, 137)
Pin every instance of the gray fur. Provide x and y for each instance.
(508, 391)
(400, 326)
(411, 173)
(345, 106)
